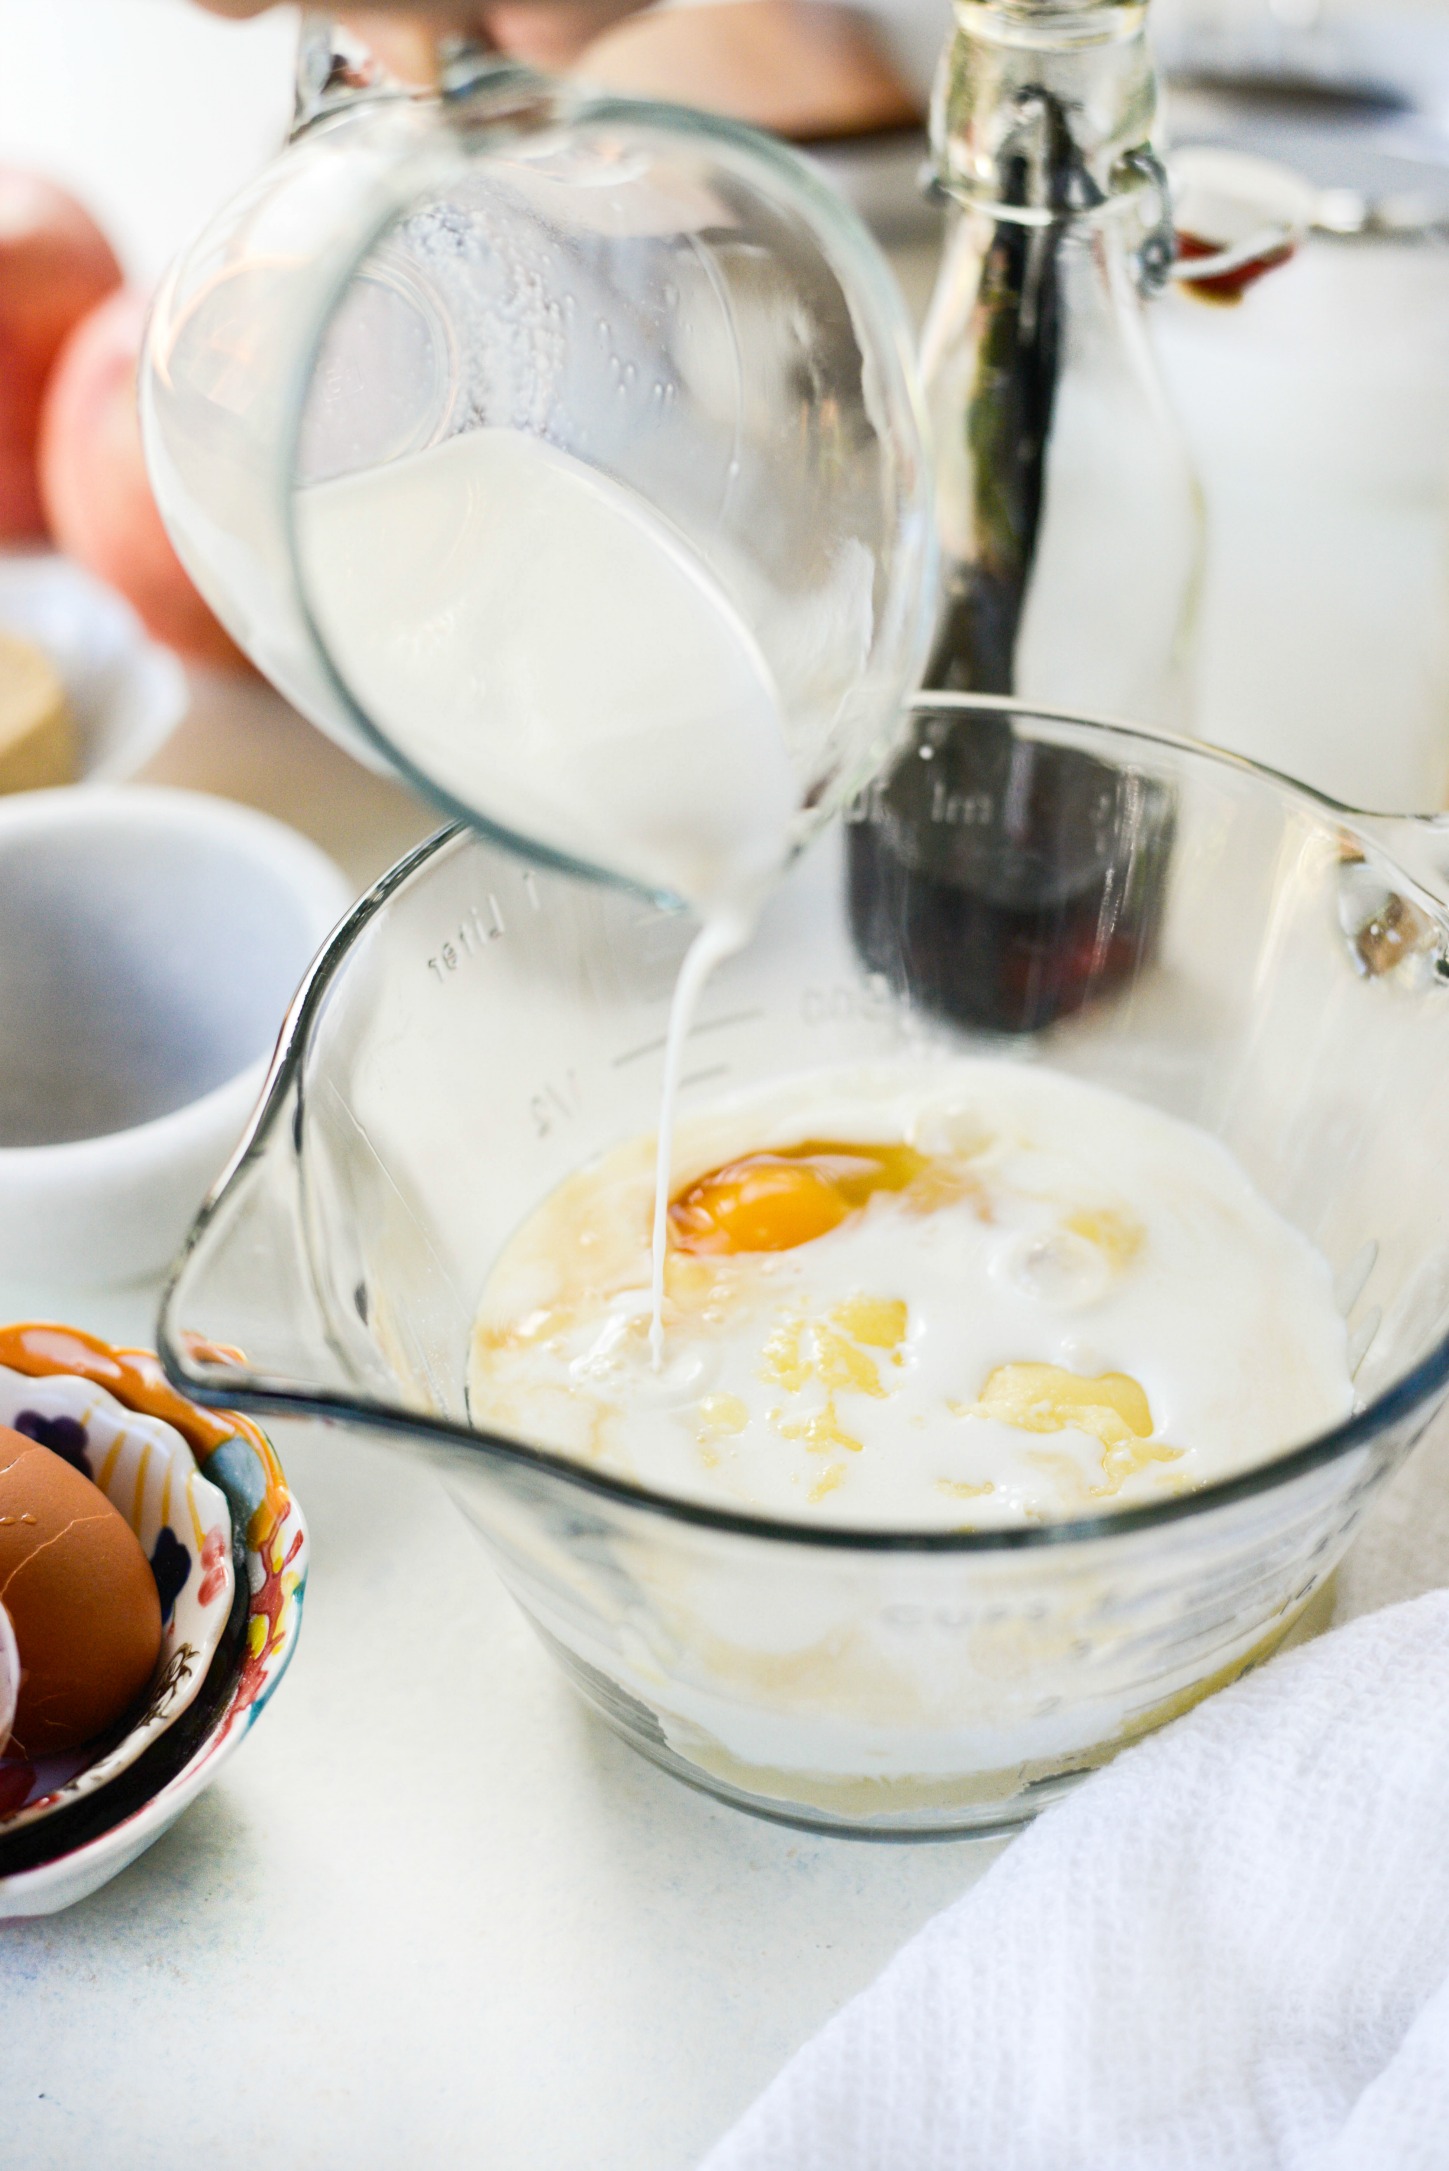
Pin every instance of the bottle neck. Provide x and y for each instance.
(1045, 108)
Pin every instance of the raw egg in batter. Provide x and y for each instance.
(927, 1294)
(774, 1201)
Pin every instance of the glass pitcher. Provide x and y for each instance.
(698, 356)
(1240, 952)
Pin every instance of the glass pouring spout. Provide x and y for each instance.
(479, 404)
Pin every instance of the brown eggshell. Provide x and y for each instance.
(55, 264)
(81, 1598)
(96, 490)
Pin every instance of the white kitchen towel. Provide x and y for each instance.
(1229, 1951)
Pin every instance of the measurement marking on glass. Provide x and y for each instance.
(554, 1101)
(474, 932)
(705, 1025)
(645, 1047)
(732, 1017)
(698, 1077)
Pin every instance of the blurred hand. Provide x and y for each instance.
(808, 69)
(404, 34)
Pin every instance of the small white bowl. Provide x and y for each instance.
(150, 942)
(126, 693)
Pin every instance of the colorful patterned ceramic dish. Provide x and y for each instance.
(147, 1471)
(87, 1838)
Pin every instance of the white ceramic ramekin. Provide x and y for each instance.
(150, 942)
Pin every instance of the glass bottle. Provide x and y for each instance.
(1069, 524)
(1068, 515)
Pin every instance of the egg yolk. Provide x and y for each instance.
(1043, 1398)
(788, 1196)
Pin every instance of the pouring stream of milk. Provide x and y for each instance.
(537, 641)
(722, 934)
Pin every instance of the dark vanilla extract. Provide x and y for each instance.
(1003, 881)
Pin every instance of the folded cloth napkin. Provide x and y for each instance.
(1229, 1951)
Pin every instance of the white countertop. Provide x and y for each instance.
(434, 1914)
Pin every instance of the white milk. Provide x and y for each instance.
(855, 1381)
(858, 1377)
(536, 640)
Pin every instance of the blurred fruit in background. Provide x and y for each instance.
(55, 265)
(94, 488)
(811, 71)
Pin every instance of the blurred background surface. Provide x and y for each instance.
(1317, 411)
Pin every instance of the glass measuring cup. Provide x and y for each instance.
(696, 343)
(480, 1027)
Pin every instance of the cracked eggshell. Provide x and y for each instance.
(81, 1599)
